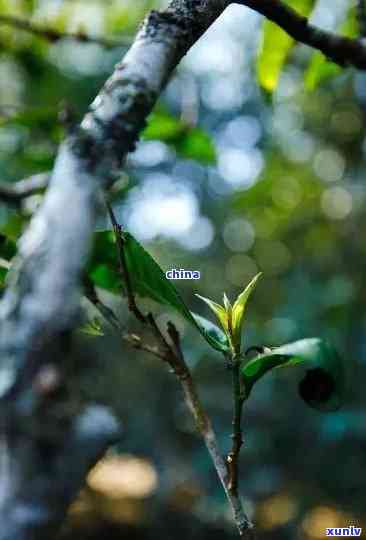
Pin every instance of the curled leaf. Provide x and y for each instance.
(323, 386)
(212, 331)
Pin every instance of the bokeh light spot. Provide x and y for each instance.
(123, 476)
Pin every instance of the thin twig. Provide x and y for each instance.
(13, 193)
(105, 311)
(204, 426)
(122, 264)
(233, 456)
(109, 315)
(53, 35)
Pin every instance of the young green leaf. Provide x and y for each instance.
(231, 317)
(92, 328)
(219, 311)
(323, 386)
(238, 309)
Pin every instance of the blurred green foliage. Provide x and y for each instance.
(276, 46)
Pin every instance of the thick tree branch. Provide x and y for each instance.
(53, 35)
(41, 303)
(43, 298)
(32, 503)
(341, 50)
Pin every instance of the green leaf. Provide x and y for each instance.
(92, 328)
(164, 127)
(106, 277)
(276, 46)
(189, 142)
(212, 330)
(218, 310)
(323, 386)
(149, 280)
(102, 269)
(7, 247)
(320, 69)
(13, 227)
(197, 145)
(239, 306)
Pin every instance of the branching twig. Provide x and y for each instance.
(342, 50)
(108, 314)
(53, 35)
(172, 354)
(105, 311)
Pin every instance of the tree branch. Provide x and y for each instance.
(15, 192)
(341, 50)
(361, 16)
(53, 35)
(42, 302)
(32, 504)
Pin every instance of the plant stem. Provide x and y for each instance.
(205, 428)
(233, 456)
(122, 264)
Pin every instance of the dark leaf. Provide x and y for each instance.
(323, 386)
